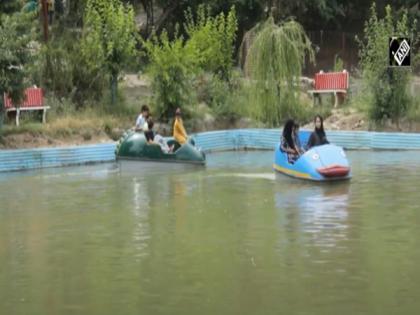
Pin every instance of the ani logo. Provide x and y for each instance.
(399, 52)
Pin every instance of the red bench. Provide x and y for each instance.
(33, 100)
(336, 83)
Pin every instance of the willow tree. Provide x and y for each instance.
(274, 63)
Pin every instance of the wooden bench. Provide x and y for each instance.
(33, 100)
(336, 83)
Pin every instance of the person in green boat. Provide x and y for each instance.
(180, 135)
(149, 133)
(153, 138)
(141, 122)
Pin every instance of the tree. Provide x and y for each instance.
(109, 38)
(172, 66)
(213, 39)
(15, 36)
(274, 63)
(386, 86)
(9, 6)
(75, 10)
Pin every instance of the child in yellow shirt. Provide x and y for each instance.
(180, 135)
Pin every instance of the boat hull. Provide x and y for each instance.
(322, 163)
(134, 147)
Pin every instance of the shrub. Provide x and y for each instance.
(387, 87)
(213, 39)
(172, 67)
(62, 70)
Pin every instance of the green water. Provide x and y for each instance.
(233, 238)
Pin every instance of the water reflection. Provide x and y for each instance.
(322, 211)
(229, 239)
(141, 209)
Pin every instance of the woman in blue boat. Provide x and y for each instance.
(287, 143)
(318, 136)
(296, 138)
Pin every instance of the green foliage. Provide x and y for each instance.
(226, 99)
(338, 64)
(75, 12)
(15, 37)
(213, 39)
(109, 38)
(386, 86)
(274, 64)
(62, 70)
(9, 6)
(172, 66)
(58, 7)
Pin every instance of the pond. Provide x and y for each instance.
(231, 238)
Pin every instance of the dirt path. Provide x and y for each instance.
(344, 119)
(28, 140)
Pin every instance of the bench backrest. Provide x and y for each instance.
(33, 98)
(332, 81)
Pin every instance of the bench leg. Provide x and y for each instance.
(318, 96)
(335, 100)
(44, 116)
(17, 116)
(317, 99)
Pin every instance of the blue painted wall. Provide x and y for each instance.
(12, 160)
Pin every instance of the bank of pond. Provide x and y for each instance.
(207, 142)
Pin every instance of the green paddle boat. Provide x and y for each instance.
(133, 146)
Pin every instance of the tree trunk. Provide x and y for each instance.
(45, 19)
(2, 111)
(114, 88)
(152, 12)
(148, 7)
(165, 14)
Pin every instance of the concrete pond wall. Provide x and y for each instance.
(264, 139)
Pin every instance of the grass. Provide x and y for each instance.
(64, 122)
(105, 121)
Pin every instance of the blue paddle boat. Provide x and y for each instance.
(322, 163)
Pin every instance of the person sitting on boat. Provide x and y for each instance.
(180, 135)
(141, 122)
(287, 143)
(163, 145)
(296, 138)
(318, 136)
(153, 138)
(149, 133)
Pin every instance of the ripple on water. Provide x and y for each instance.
(231, 238)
